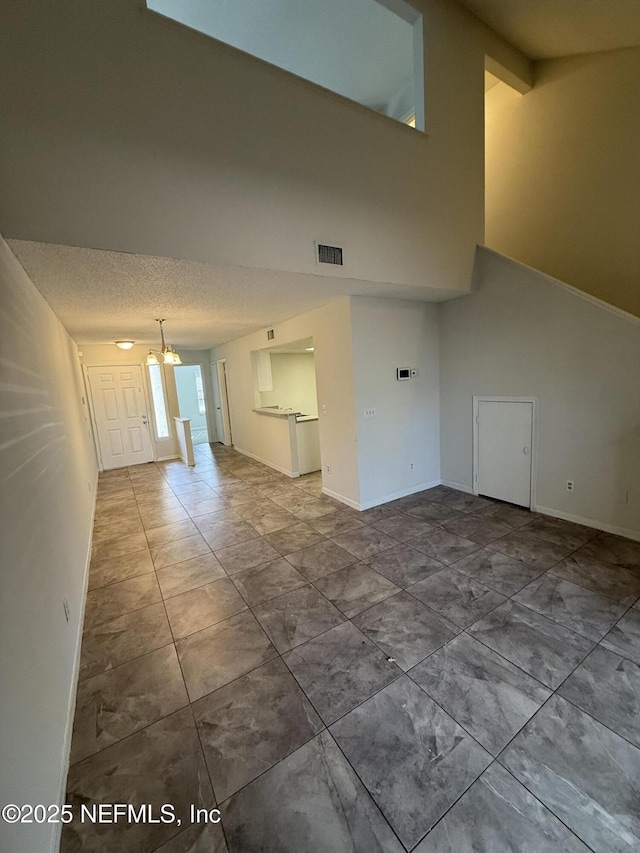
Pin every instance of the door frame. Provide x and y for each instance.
(92, 413)
(534, 439)
(215, 384)
(221, 370)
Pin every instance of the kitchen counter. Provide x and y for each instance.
(285, 413)
(290, 440)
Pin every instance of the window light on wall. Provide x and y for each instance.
(159, 401)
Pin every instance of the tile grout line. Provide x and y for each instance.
(350, 619)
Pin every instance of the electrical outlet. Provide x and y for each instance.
(570, 486)
(327, 468)
(369, 413)
(65, 607)
(411, 466)
(324, 408)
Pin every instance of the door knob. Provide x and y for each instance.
(525, 450)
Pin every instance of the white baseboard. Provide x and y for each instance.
(412, 490)
(461, 487)
(291, 474)
(589, 522)
(62, 788)
(330, 494)
(167, 458)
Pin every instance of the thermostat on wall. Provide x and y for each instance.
(403, 373)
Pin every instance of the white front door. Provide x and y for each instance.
(504, 447)
(120, 413)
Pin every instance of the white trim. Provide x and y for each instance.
(225, 403)
(291, 474)
(94, 427)
(168, 458)
(589, 522)
(599, 303)
(460, 487)
(412, 490)
(62, 787)
(213, 370)
(534, 439)
(341, 498)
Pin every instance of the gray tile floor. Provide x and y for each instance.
(443, 673)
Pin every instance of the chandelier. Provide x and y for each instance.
(167, 354)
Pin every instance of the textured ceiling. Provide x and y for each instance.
(543, 29)
(104, 296)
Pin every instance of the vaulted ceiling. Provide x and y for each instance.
(210, 304)
(546, 29)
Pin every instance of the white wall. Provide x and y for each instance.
(358, 345)
(47, 487)
(388, 334)
(562, 168)
(294, 383)
(330, 328)
(125, 131)
(520, 333)
(104, 354)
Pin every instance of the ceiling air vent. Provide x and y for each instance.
(330, 254)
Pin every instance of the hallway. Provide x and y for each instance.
(344, 681)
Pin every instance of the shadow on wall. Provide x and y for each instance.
(522, 333)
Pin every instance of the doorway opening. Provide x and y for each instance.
(192, 401)
(284, 379)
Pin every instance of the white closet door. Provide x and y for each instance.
(505, 434)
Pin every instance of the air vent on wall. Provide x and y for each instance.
(329, 254)
(270, 334)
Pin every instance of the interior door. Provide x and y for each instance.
(221, 368)
(217, 410)
(120, 414)
(505, 435)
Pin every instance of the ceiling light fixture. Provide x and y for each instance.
(309, 349)
(124, 344)
(167, 354)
